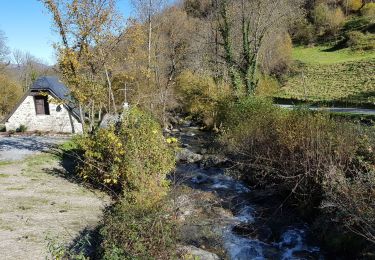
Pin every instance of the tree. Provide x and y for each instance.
(328, 20)
(89, 31)
(4, 51)
(253, 21)
(147, 9)
(29, 68)
(10, 92)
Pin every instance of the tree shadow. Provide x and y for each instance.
(68, 162)
(338, 46)
(30, 143)
(87, 243)
(359, 100)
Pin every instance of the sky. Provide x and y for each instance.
(28, 26)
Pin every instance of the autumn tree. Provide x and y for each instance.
(10, 93)
(147, 10)
(89, 31)
(150, 62)
(328, 19)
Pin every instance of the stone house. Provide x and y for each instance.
(46, 107)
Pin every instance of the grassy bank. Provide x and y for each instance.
(321, 75)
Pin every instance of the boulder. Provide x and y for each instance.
(212, 160)
(184, 207)
(185, 155)
(192, 252)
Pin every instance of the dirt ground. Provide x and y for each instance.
(37, 204)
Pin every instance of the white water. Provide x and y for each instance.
(291, 244)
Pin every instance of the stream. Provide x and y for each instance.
(241, 237)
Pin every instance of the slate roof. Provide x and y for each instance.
(56, 87)
(53, 84)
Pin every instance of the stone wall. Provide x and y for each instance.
(59, 119)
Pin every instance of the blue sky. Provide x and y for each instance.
(28, 26)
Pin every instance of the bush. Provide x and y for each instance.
(2, 128)
(357, 24)
(303, 32)
(21, 129)
(309, 157)
(132, 159)
(199, 95)
(133, 231)
(294, 149)
(267, 86)
(359, 41)
(368, 10)
(328, 20)
(350, 201)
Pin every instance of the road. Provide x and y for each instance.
(351, 110)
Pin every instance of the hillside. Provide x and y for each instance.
(331, 76)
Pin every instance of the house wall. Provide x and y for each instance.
(59, 120)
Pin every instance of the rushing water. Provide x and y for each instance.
(291, 244)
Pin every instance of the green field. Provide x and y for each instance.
(338, 76)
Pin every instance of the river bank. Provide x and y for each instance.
(226, 216)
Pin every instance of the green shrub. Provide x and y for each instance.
(359, 41)
(2, 128)
(356, 24)
(21, 129)
(132, 159)
(303, 32)
(136, 231)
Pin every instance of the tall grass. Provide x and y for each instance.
(310, 157)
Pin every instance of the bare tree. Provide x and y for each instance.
(253, 21)
(4, 51)
(146, 10)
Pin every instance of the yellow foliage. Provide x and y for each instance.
(10, 93)
(328, 19)
(352, 5)
(267, 87)
(369, 10)
(200, 95)
(132, 159)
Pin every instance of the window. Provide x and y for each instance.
(41, 105)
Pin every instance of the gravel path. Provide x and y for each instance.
(36, 203)
(17, 148)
